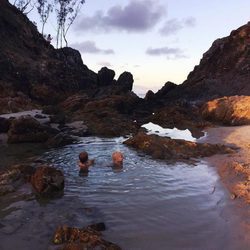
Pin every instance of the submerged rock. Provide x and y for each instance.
(174, 149)
(47, 180)
(71, 238)
(14, 177)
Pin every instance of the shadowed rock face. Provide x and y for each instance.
(233, 110)
(30, 65)
(174, 149)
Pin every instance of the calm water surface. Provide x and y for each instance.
(147, 205)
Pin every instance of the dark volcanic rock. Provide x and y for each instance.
(28, 129)
(4, 125)
(125, 81)
(60, 140)
(105, 76)
(47, 180)
(233, 110)
(31, 66)
(224, 70)
(109, 116)
(173, 149)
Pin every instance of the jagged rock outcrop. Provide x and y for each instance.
(105, 76)
(30, 65)
(125, 81)
(174, 149)
(233, 110)
(224, 70)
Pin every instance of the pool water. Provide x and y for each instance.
(147, 205)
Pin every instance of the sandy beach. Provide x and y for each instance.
(234, 169)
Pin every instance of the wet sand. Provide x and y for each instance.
(234, 169)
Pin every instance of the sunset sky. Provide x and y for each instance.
(156, 40)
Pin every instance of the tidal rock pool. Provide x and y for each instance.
(147, 205)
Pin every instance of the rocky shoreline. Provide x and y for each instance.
(235, 168)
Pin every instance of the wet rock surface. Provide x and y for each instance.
(11, 179)
(28, 129)
(174, 149)
(233, 110)
(110, 116)
(70, 238)
(47, 180)
(60, 140)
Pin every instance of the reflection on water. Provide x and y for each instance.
(172, 133)
(146, 205)
(16, 153)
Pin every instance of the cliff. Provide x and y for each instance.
(32, 68)
(224, 70)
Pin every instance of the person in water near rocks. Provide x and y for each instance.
(117, 158)
(84, 162)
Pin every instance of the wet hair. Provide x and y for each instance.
(116, 154)
(83, 157)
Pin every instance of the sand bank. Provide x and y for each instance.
(233, 169)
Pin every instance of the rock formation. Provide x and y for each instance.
(224, 70)
(174, 149)
(47, 180)
(233, 110)
(31, 66)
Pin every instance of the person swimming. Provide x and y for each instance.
(84, 162)
(117, 159)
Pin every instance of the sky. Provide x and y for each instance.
(156, 40)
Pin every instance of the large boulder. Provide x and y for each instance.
(233, 110)
(105, 76)
(28, 129)
(47, 180)
(174, 149)
(125, 81)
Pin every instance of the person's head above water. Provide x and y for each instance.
(83, 157)
(117, 158)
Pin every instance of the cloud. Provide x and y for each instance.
(136, 16)
(105, 64)
(171, 53)
(172, 26)
(90, 47)
(190, 21)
